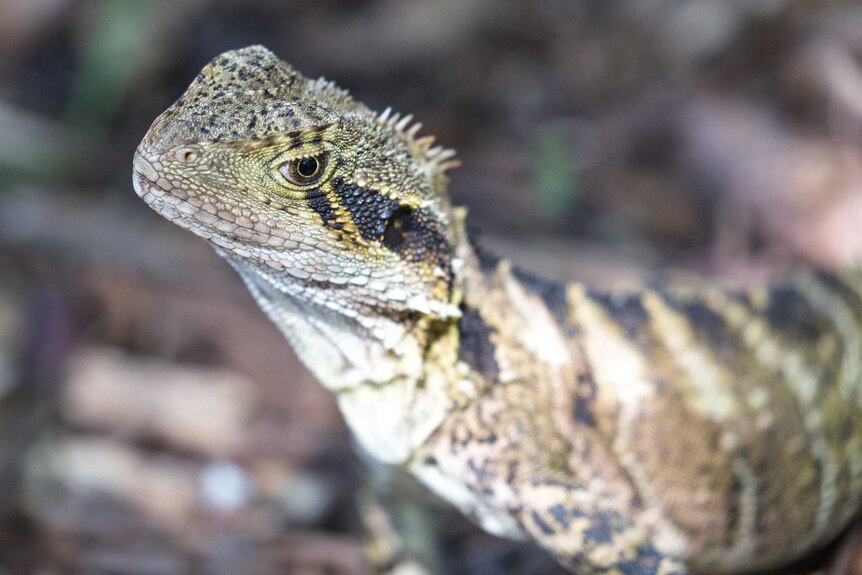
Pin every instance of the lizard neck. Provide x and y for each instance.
(397, 377)
(375, 365)
(342, 350)
(509, 313)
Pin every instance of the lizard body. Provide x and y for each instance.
(654, 431)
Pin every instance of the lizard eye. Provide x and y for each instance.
(305, 171)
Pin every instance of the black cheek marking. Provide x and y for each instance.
(314, 194)
(369, 209)
(320, 204)
(476, 348)
(412, 234)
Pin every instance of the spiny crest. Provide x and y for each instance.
(331, 89)
(438, 158)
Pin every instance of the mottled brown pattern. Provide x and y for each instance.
(632, 433)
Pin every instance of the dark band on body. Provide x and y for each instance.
(476, 348)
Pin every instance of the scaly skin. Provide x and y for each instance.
(632, 433)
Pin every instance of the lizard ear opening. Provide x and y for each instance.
(398, 227)
(420, 239)
(417, 237)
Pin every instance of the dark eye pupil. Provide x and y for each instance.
(307, 167)
(305, 171)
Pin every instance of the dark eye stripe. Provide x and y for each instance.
(320, 204)
(369, 209)
(412, 234)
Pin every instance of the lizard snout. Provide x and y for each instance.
(142, 168)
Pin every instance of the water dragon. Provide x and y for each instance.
(652, 431)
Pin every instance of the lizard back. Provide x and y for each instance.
(734, 417)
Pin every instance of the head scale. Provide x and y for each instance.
(293, 178)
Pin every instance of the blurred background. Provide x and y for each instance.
(153, 422)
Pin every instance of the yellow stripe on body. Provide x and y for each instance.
(620, 372)
(839, 313)
(801, 379)
(709, 390)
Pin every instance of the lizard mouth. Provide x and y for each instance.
(144, 180)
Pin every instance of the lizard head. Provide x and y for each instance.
(293, 178)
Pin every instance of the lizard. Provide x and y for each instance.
(660, 430)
